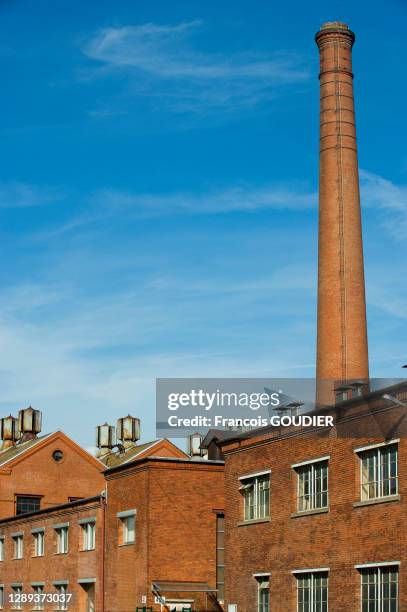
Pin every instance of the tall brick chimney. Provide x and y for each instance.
(342, 353)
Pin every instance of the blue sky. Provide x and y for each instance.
(158, 181)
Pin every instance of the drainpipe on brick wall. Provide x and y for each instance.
(102, 560)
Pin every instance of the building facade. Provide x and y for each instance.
(153, 540)
(316, 521)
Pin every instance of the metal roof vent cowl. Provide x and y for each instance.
(29, 423)
(128, 431)
(9, 432)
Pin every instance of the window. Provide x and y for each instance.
(62, 539)
(312, 592)
(18, 546)
(57, 456)
(379, 589)
(27, 503)
(378, 475)
(312, 486)
(38, 591)
(256, 495)
(263, 593)
(129, 529)
(220, 556)
(2, 549)
(16, 602)
(1, 596)
(39, 540)
(88, 536)
(63, 599)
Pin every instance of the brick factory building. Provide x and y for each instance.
(154, 535)
(151, 537)
(317, 520)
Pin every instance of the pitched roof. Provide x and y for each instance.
(17, 453)
(139, 450)
(8, 454)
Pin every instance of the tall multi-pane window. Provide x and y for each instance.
(1, 596)
(38, 592)
(312, 486)
(88, 535)
(18, 546)
(39, 542)
(379, 589)
(263, 593)
(27, 503)
(312, 592)
(62, 539)
(378, 473)
(2, 549)
(17, 593)
(129, 529)
(220, 556)
(256, 495)
(62, 593)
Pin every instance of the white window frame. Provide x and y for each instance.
(2, 548)
(263, 583)
(89, 535)
(18, 541)
(39, 543)
(62, 533)
(311, 466)
(260, 511)
(38, 590)
(62, 589)
(313, 573)
(379, 585)
(17, 590)
(129, 535)
(1, 596)
(379, 482)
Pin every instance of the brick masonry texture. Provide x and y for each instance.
(345, 536)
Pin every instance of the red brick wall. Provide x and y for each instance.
(175, 529)
(77, 564)
(38, 474)
(339, 539)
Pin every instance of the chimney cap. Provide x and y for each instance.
(335, 27)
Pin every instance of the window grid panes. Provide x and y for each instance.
(379, 476)
(18, 547)
(263, 598)
(38, 591)
(62, 590)
(313, 486)
(17, 605)
(129, 529)
(62, 540)
(312, 592)
(380, 589)
(39, 539)
(88, 536)
(220, 556)
(25, 503)
(256, 495)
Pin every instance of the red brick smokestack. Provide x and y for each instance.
(342, 353)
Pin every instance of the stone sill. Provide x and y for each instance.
(378, 500)
(310, 512)
(253, 522)
(126, 544)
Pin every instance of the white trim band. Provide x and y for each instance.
(383, 564)
(311, 571)
(373, 446)
(246, 476)
(320, 459)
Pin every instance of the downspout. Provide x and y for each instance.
(102, 561)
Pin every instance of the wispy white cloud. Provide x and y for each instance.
(384, 195)
(192, 78)
(23, 195)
